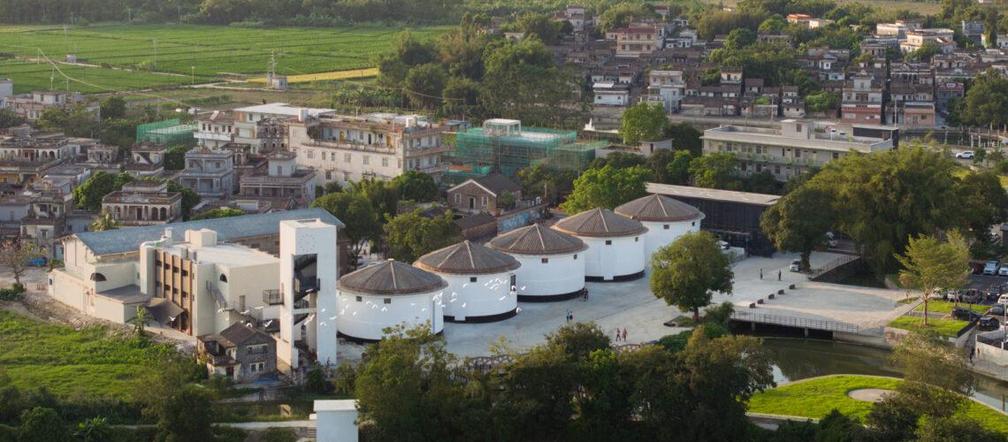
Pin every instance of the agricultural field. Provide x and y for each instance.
(127, 57)
(69, 363)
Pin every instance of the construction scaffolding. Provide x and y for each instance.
(168, 132)
(504, 146)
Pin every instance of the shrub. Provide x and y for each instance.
(279, 435)
(12, 293)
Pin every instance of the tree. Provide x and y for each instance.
(539, 25)
(685, 137)
(96, 429)
(678, 170)
(823, 101)
(424, 85)
(383, 195)
(16, 254)
(189, 197)
(220, 212)
(622, 14)
(607, 187)
(406, 388)
(986, 101)
(88, 196)
(688, 271)
(358, 216)
(546, 182)
(140, 321)
(170, 395)
(930, 264)
(174, 158)
(643, 122)
(42, 425)
(411, 235)
(104, 221)
(925, 359)
(112, 107)
(416, 186)
(740, 38)
(718, 170)
(799, 221)
(10, 119)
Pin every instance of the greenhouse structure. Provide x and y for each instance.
(504, 146)
(168, 132)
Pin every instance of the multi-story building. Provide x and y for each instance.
(637, 39)
(344, 148)
(862, 101)
(610, 94)
(240, 353)
(30, 106)
(917, 38)
(25, 156)
(201, 277)
(796, 147)
(143, 203)
(666, 87)
(146, 159)
(283, 180)
(209, 173)
(215, 130)
(264, 126)
(46, 218)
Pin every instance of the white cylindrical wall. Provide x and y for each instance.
(366, 318)
(613, 257)
(661, 234)
(470, 297)
(550, 275)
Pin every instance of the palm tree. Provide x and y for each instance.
(140, 320)
(104, 222)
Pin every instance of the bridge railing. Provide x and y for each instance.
(797, 322)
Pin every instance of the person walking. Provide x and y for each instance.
(760, 273)
(778, 274)
(624, 334)
(617, 334)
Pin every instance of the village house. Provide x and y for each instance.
(240, 353)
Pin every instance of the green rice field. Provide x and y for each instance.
(129, 57)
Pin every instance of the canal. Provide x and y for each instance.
(796, 359)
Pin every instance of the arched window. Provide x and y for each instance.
(223, 278)
(98, 277)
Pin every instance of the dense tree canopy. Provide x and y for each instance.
(88, 195)
(359, 218)
(986, 101)
(416, 186)
(607, 187)
(799, 221)
(930, 263)
(411, 235)
(643, 122)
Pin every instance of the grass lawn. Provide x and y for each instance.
(174, 54)
(816, 397)
(944, 327)
(938, 306)
(72, 363)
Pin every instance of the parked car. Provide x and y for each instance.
(965, 155)
(996, 310)
(1003, 300)
(1003, 271)
(963, 314)
(972, 296)
(988, 323)
(991, 267)
(724, 245)
(795, 266)
(952, 295)
(831, 240)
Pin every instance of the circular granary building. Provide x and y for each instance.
(615, 244)
(387, 294)
(665, 218)
(479, 282)
(552, 263)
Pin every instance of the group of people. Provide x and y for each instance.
(621, 335)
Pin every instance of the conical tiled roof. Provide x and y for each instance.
(391, 278)
(599, 222)
(537, 240)
(466, 258)
(658, 208)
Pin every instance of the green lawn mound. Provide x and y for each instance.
(937, 306)
(70, 363)
(816, 397)
(948, 328)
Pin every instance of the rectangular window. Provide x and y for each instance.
(575, 256)
(384, 162)
(472, 279)
(311, 153)
(346, 158)
(665, 226)
(360, 299)
(367, 160)
(388, 300)
(545, 260)
(608, 242)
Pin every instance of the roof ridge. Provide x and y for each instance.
(539, 231)
(601, 215)
(661, 203)
(395, 283)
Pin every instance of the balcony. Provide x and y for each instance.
(272, 297)
(215, 136)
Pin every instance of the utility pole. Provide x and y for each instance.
(155, 54)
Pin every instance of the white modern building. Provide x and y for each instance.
(552, 263)
(336, 420)
(665, 219)
(308, 271)
(480, 282)
(388, 294)
(615, 244)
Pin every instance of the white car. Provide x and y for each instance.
(1003, 300)
(724, 245)
(965, 155)
(1003, 271)
(991, 268)
(795, 266)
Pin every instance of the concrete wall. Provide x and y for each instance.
(992, 354)
(623, 256)
(560, 275)
(336, 420)
(366, 318)
(488, 295)
(661, 234)
(304, 237)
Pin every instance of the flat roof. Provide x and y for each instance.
(281, 109)
(759, 199)
(234, 255)
(744, 134)
(335, 405)
(228, 229)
